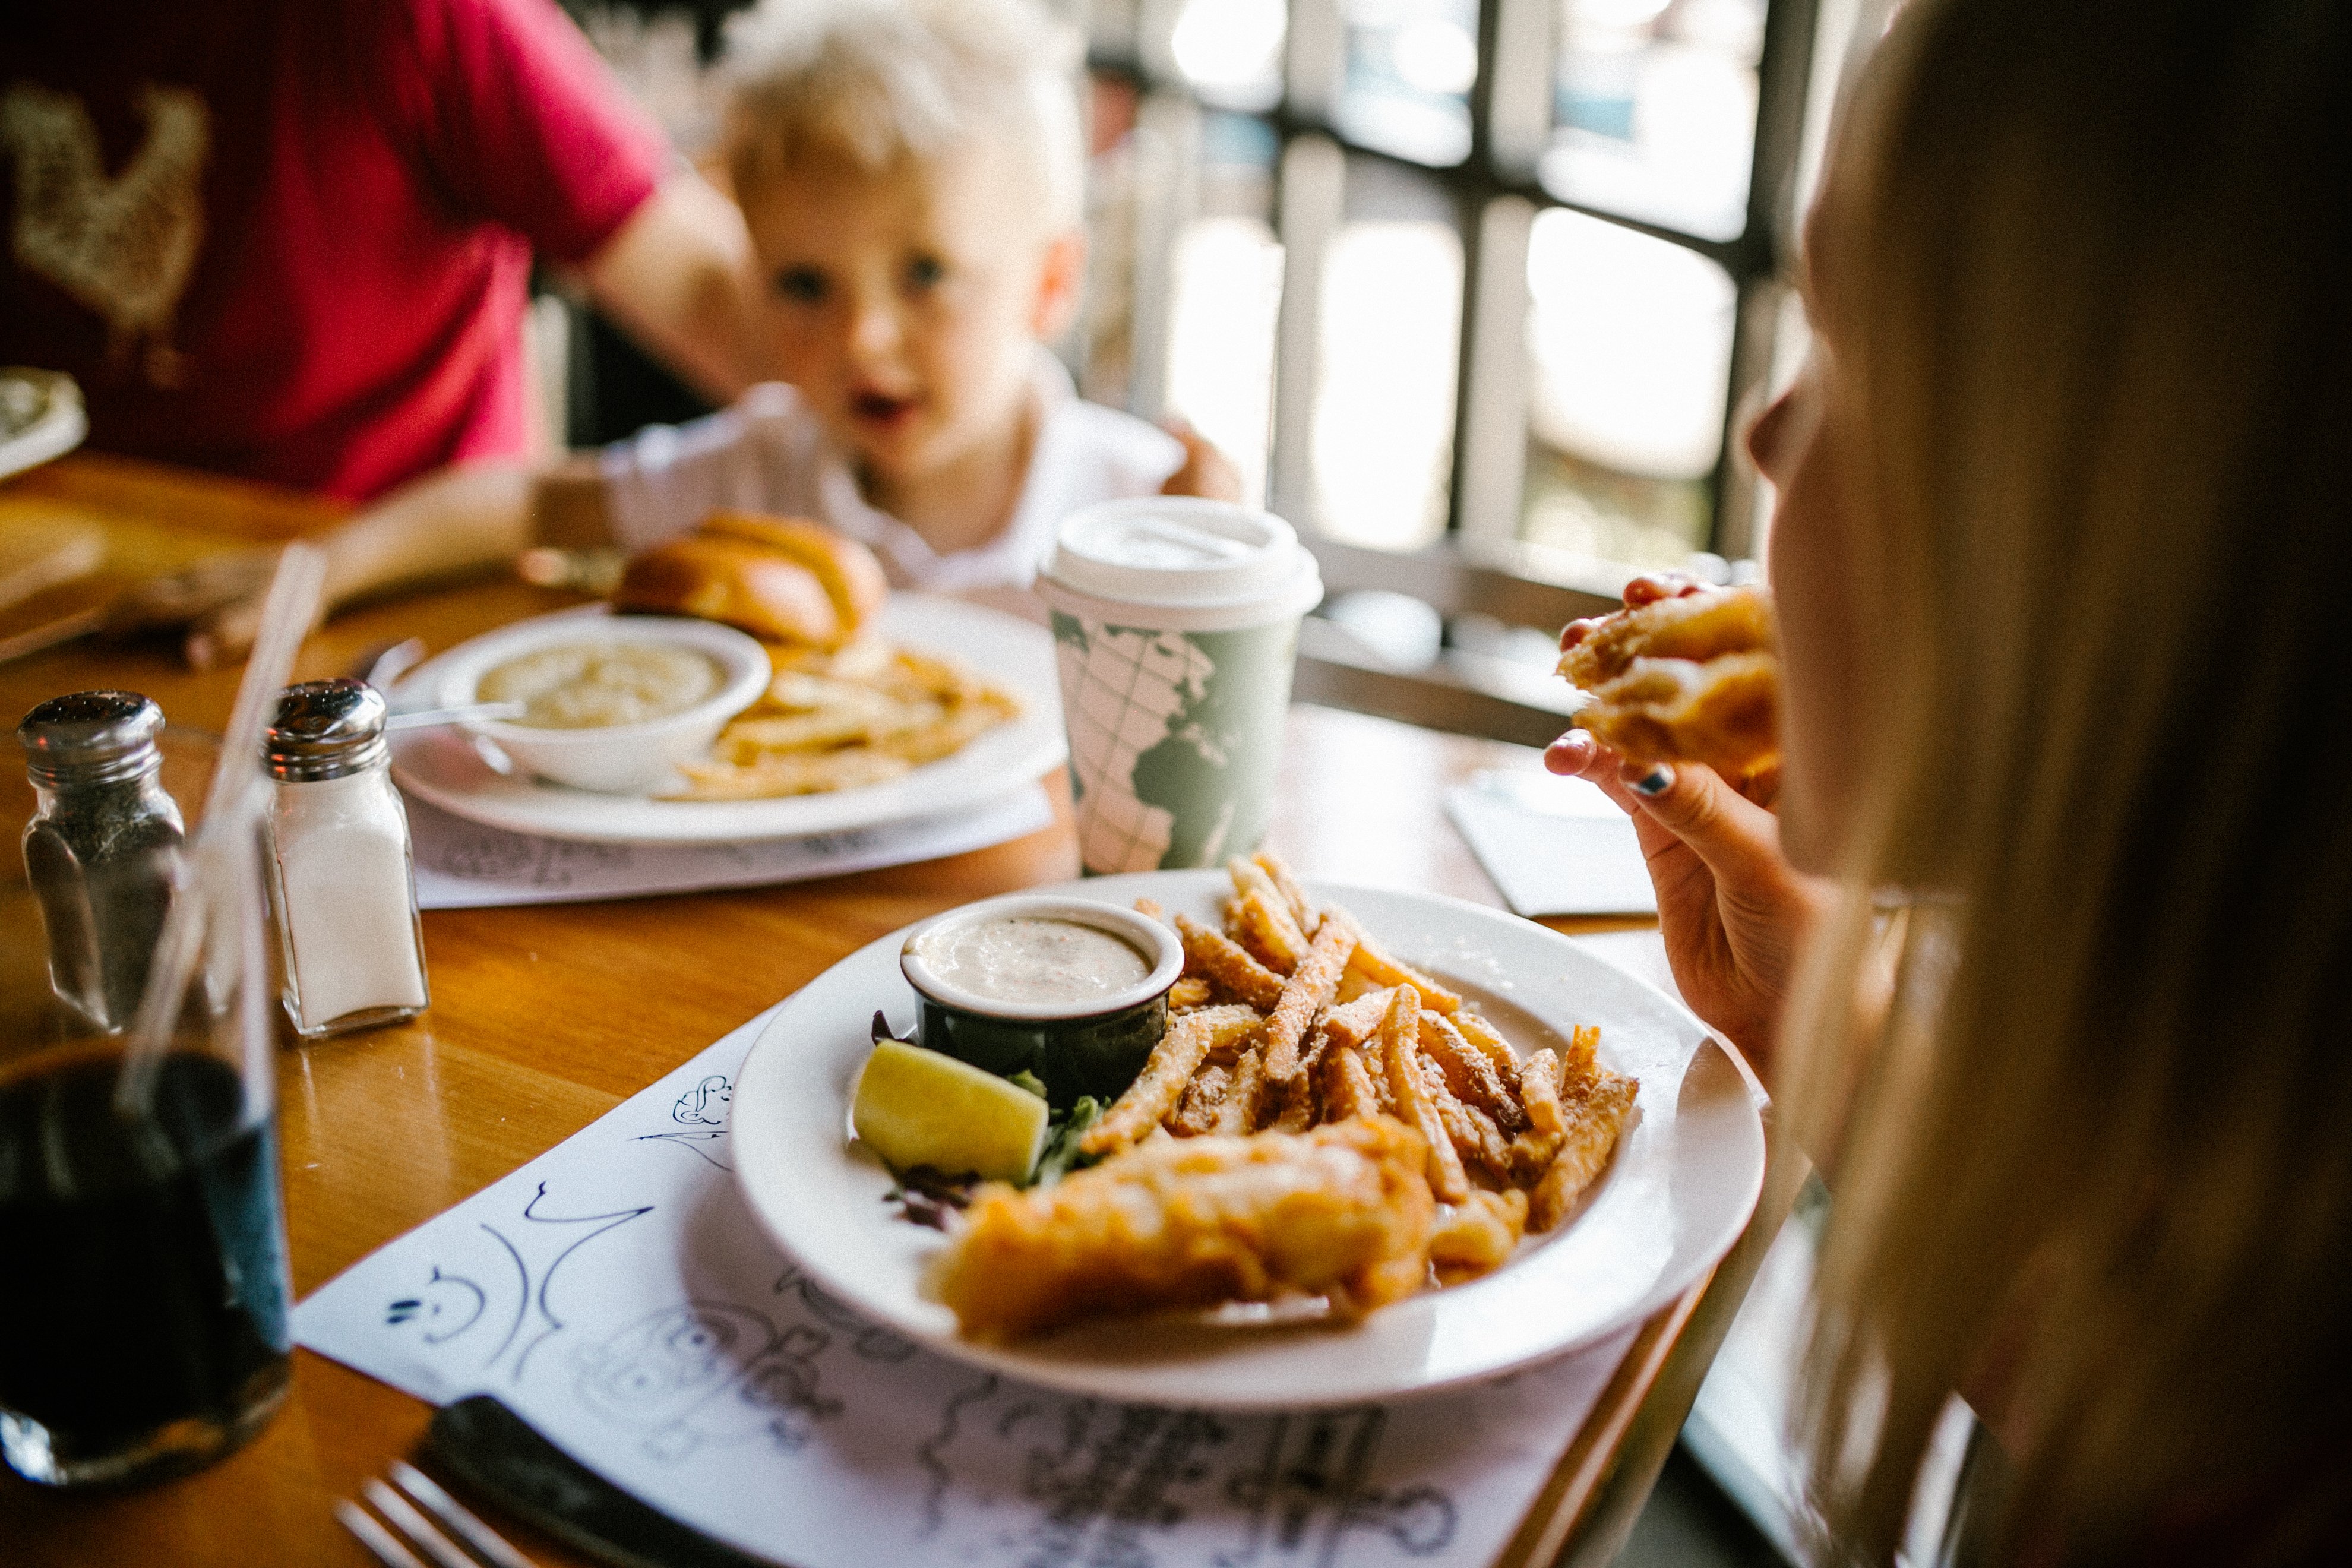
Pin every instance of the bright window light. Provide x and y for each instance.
(1438, 58)
(1631, 338)
(1230, 44)
(1383, 440)
(1221, 340)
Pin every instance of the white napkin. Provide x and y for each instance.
(1553, 846)
(464, 865)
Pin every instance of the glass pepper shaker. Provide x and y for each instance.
(342, 881)
(103, 850)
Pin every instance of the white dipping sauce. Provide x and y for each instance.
(589, 685)
(1032, 960)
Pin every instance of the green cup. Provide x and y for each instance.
(1176, 626)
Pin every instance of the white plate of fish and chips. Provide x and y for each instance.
(1679, 1188)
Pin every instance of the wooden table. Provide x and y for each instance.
(540, 1023)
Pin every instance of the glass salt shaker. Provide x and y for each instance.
(342, 877)
(103, 850)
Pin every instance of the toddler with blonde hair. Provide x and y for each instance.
(912, 175)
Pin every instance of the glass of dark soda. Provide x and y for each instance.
(144, 1284)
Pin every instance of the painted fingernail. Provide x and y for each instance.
(1657, 782)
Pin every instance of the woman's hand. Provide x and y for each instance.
(1733, 912)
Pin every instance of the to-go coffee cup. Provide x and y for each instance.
(1176, 622)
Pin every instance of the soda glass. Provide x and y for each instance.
(143, 1286)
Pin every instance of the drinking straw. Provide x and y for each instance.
(232, 802)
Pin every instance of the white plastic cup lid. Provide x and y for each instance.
(1188, 563)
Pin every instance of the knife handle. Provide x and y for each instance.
(499, 1456)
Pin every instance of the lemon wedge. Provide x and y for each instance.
(921, 1107)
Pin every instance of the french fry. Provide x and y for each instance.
(1203, 1098)
(1302, 1104)
(1224, 964)
(1540, 1094)
(1468, 1073)
(1579, 1061)
(1475, 1236)
(1265, 933)
(1532, 1151)
(940, 677)
(1302, 908)
(930, 743)
(747, 741)
(1355, 1023)
(864, 660)
(1348, 1089)
(789, 773)
(1476, 1137)
(1238, 1114)
(1491, 1045)
(1161, 1084)
(814, 690)
(1191, 991)
(1306, 995)
(1263, 918)
(1595, 1113)
(1401, 1056)
(855, 717)
(1374, 964)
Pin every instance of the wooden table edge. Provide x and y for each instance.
(1559, 1510)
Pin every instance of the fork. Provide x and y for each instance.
(418, 1491)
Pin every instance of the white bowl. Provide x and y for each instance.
(612, 759)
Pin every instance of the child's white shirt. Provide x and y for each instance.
(768, 452)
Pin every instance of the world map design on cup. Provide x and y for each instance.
(1176, 629)
(1167, 760)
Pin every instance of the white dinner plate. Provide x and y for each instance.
(447, 767)
(1683, 1184)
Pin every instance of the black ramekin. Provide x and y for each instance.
(1095, 1052)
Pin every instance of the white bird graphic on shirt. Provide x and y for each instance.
(123, 246)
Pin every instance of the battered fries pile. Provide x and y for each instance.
(866, 713)
(1293, 1017)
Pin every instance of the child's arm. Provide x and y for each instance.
(449, 522)
(1207, 472)
(474, 515)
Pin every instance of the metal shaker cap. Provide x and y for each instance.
(90, 737)
(325, 730)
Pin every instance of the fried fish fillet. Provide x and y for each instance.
(1691, 678)
(1343, 1212)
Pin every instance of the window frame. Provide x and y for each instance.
(1479, 567)
(1495, 193)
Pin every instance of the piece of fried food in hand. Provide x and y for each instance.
(1341, 1212)
(1693, 679)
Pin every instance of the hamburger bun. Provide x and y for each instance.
(853, 578)
(782, 580)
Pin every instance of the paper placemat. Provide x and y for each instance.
(464, 865)
(617, 1294)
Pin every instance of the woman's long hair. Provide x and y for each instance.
(2088, 270)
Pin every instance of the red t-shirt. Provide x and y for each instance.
(290, 238)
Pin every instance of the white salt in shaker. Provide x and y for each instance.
(341, 879)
